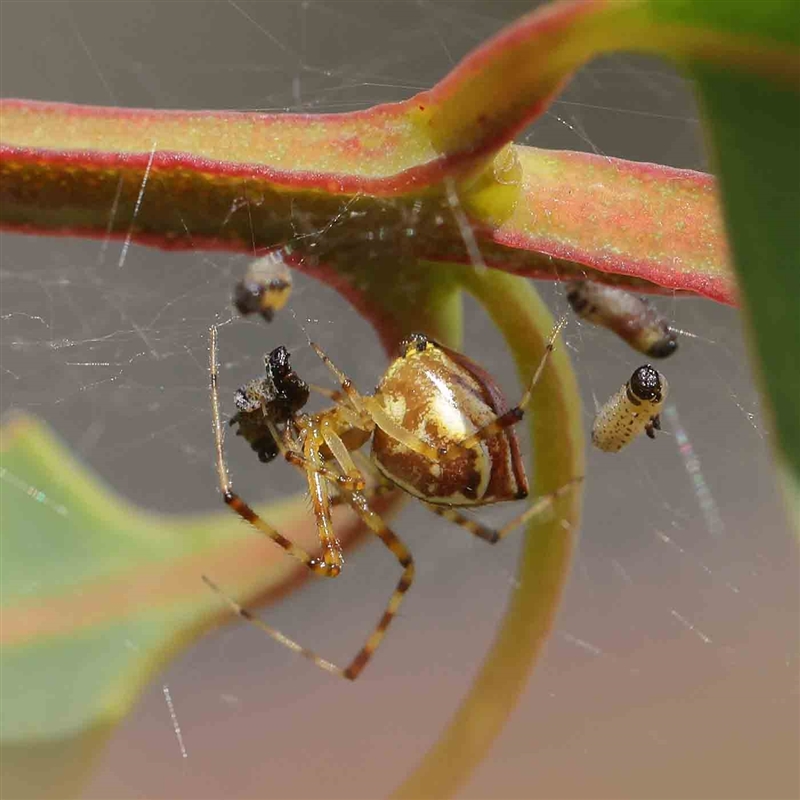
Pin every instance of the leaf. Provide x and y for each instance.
(397, 167)
(97, 596)
(632, 222)
(758, 158)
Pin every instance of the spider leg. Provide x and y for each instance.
(406, 561)
(515, 414)
(540, 505)
(332, 561)
(371, 491)
(378, 488)
(357, 664)
(273, 632)
(475, 527)
(352, 481)
(320, 502)
(340, 398)
(341, 454)
(325, 433)
(350, 391)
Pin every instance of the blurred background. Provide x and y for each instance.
(673, 668)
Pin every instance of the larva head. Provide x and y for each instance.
(441, 397)
(648, 385)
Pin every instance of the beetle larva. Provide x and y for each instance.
(633, 409)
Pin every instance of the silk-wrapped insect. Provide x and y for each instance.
(631, 317)
(265, 287)
(265, 405)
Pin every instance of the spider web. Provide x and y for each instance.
(676, 646)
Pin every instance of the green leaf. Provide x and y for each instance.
(770, 24)
(97, 596)
(756, 145)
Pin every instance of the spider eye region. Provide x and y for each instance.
(414, 343)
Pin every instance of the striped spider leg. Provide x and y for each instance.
(540, 506)
(303, 441)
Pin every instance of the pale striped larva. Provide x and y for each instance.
(631, 317)
(265, 288)
(633, 409)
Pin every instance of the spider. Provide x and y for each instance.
(440, 430)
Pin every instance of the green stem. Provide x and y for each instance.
(556, 430)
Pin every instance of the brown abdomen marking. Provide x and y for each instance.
(443, 397)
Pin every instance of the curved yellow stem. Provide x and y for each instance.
(556, 428)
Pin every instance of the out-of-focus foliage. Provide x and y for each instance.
(85, 575)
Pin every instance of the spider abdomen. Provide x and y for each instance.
(442, 397)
